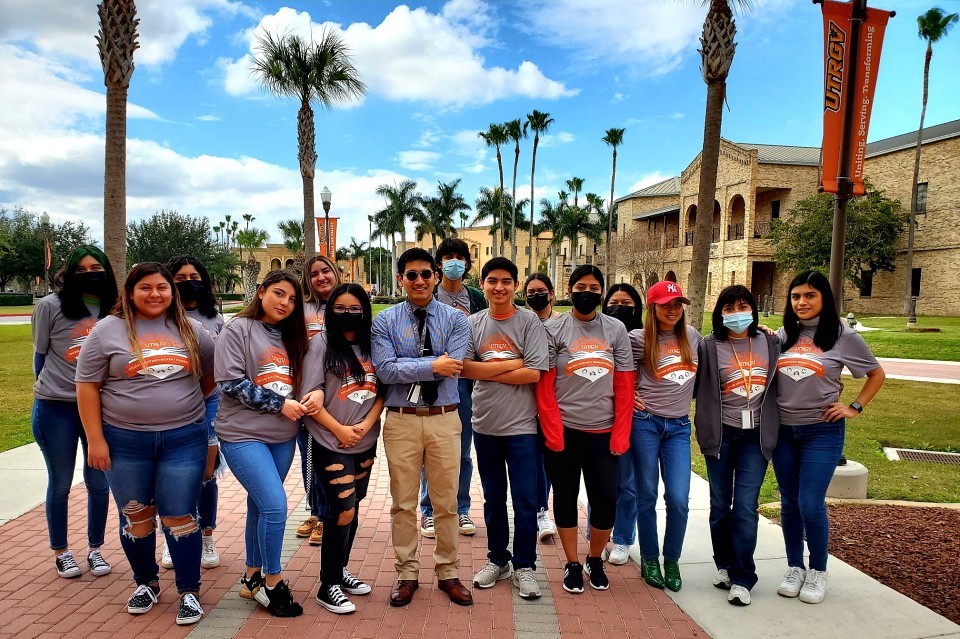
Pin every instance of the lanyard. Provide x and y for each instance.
(746, 375)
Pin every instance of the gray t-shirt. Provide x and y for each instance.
(459, 300)
(810, 378)
(164, 395)
(586, 354)
(213, 324)
(667, 391)
(314, 316)
(59, 339)
(347, 399)
(507, 409)
(740, 361)
(247, 350)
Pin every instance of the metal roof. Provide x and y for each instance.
(934, 133)
(665, 210)
(670, 186)
(782, 154)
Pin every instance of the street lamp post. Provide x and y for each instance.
(370, 250)
(325, 196)
(45, 227)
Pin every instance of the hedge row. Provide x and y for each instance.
(16, 299)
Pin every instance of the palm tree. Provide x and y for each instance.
(716, 56)
(319, 72)
(614, 138)
(356, 250)
(292, 233)
(116, 41)
(386, 226)
(575, 184)
(496, 135)
(575, 221)
(516, 131)
(440, 210)
(490, 204)
(931, 26)
(539, 122)
(402, 202)
(250, 239)
(550, 221)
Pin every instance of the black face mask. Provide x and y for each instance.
(623, 313)
(190, 290)
(538, 301)
(350, 322)
(585, 301)
(91, 282)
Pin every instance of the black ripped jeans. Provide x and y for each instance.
(344, 477)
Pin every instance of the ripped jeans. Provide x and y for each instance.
(159, 473)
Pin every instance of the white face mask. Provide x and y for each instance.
(453, 268)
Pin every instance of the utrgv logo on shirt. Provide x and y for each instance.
(358, 389)
(733, 377)
(498, 346)
(163, 355)
(273, 372)
(315, 324)
(802, 360)
(670, 365)
(590, 358)
(77, 336)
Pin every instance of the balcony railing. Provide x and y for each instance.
(673, 242)
(734, 231)
(762, 229)
(715, 237)
(688, 238)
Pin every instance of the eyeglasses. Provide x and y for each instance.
(412, 275)
(352, 310)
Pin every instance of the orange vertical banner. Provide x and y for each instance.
(868, 65)
(321, 233)
(836, 42)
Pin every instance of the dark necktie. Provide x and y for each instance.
(429, 389)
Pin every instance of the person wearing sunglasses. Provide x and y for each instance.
(418, 350)
(453, 257)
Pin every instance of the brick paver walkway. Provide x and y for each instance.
(35, 602)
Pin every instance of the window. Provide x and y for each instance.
(775, 210)
(488, 250)
(476, 252)
(526, 250)
(709, 282)
(915, 283)
(922, 197)
(733, 278)
(866, 283)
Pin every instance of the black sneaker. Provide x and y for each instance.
(573, 577)
(279, 600)
(598, 578)
(143, 598)
(333, 599)
(98, 565)
(190, 610)
(67, 565)
(353, 585)
(250, 585)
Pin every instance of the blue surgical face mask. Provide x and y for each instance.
(453, 269)
(738, 322)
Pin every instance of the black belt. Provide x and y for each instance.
(422, 411)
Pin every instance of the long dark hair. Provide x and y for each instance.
(206, 301)
(71, 297)
(732, 295)
(340, 358)
(293, 329)
(637, 320)
(828, 330)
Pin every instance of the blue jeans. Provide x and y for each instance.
(625, 525)
(261, 469)
(159, 473)
(497, 458)
(465, 411)
(735, 479)
(315, 499)
(57, 429)
(661, 443)
(804, 461)
(210, 491)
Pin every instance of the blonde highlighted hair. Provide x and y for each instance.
(651, 339)
(175, 315)
(310, 295)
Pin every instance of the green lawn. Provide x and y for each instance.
(16, 310)
(16, 386)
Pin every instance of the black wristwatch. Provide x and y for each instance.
(857, 406)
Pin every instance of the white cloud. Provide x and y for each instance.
(618, 97)
(556, 139)
(648, 180)
(414, 55)
(209, 118)
(417, 160)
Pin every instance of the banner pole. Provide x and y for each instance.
(844, 183)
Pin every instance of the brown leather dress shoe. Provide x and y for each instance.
(457, 592)
(402, 593)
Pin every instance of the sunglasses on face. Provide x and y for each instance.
(352, 310)
(411, 275)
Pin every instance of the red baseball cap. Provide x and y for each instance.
(663, 292)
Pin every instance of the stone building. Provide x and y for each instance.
(757, 183)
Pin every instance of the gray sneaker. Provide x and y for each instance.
(526, 583)
(490, 574)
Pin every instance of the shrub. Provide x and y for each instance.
(16, 299)
(231, 297)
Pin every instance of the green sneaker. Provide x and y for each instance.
(650, 571)
(672, 579)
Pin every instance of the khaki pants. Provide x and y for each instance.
(432, 443)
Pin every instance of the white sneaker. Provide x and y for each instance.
(722, 580)
(739, 596)
(618, 555)
(490, 574)
(545, 527)
(526, 583)
(165, 559)
(792, 582)
(814, 586)
(209, 558)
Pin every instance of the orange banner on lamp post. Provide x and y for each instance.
(321, 233)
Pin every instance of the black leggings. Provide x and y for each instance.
(590, 454)
(344, 478)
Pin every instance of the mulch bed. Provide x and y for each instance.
(913, 550)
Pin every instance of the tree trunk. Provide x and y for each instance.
(513, 208)
(707, 195)
(393, 263)
(613, 179)
(307, 154)
(533, 168)
(115, 182)
(908, 275)
(251, 270)
(573, 250)
(553, 264)
(503, 236)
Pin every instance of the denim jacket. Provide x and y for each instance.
(707, 392)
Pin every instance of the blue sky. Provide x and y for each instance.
(205, 140)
